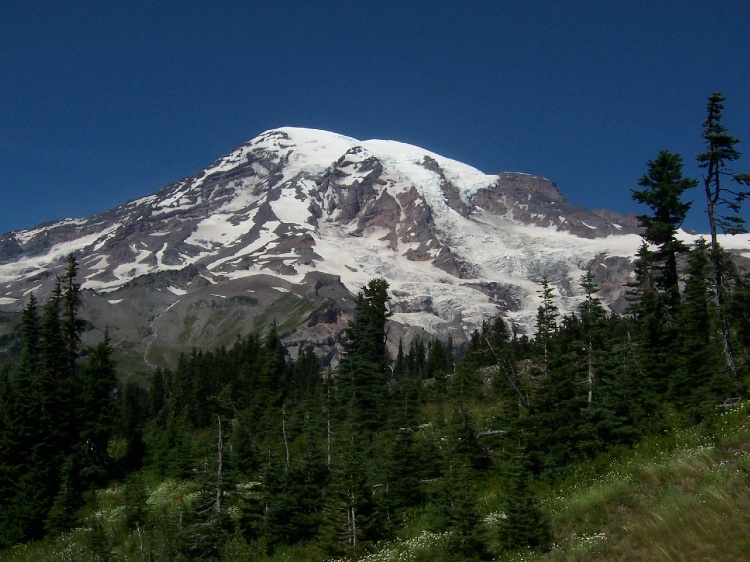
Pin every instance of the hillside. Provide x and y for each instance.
(292, 224)
(588, 441)
(680, 496)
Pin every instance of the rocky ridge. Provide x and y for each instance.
(290, 224)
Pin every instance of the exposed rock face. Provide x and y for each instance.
(537, 201)
(290, 224)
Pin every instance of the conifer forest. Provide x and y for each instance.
(242, 453)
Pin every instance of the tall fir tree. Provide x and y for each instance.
(454, 508)
(695, 385)
(98, 382)
(663, 191)
(28, 362)
(656, 329)
(364, 372)
(45, 406)
(403, 475)
(657, 282)
(593, 317)
(725, 191)
(346, 528)
(546, 318)
(72, 323)
(524, 525)
(131, 416)
(27, 457)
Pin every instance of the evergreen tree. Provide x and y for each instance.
(655, 294)
(496, 349)
(72, 324)
(98, 381)
(437, 359)
(345, 528)
(53, 353)
(62, 514)
(57, 380)
(28, 455)
(366, 334)
(270, 387)
(739, 305)
(454, 509)
(591, 310)
(131, 422)
(305, 376)
(592, 316)
(157, 396)
(721, 151)
(466, 383)
(655, 334)
(206, 525)
(555, 424)
(664, 189)
(295, 497)
(464, 443)
(628, 389)
(698, 351)
(723, 204)
(363, 372)
(404, 472)
(417, 359)
(399, 367)
(28, 363)
(524, 525)
(404, 401)
(546, 319)
(40, 427)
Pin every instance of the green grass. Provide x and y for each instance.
(684, 496)
(681, 496)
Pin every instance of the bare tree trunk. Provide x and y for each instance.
(220, 453)
(712, 178)
(512, 383)
(140, 541)
(591, 375)
(329, 437)
(352, 522)
(283, 433)
(329, 444)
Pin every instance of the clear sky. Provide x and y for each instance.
(105, 101)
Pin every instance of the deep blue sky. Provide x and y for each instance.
(101, 102)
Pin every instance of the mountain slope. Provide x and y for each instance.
(288, 224)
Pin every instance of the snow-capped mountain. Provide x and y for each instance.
(290, 223)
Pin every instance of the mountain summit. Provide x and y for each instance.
(289, 224)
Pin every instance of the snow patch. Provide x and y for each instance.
(101, 264)
(425, 320)
(33, 289)
(28, 266)
(290, 209)
(218, 230)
